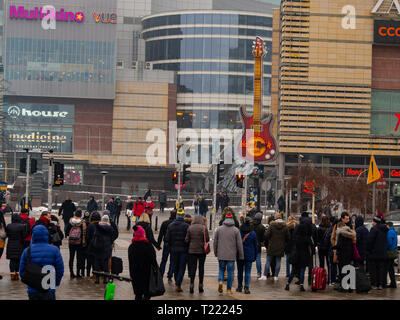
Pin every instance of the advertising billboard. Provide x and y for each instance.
(387, 31)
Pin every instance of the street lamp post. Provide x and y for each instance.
(28, 169)
(104, 173)
(50, 182)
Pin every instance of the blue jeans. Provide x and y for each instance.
(165, 253)
(268, 263)
(179, 261)
(258, 263)
(288, 264)
(223, 264)
(48, 295)
(246, 267)
(302, 272)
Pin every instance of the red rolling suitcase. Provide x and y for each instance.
(319, 276)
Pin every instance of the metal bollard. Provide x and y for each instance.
(156, 228)
(210, 221)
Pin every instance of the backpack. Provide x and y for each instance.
(75, 235)
(98, 241)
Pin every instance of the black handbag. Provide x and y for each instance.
(156, 284)
(33, 275)
(116, 265)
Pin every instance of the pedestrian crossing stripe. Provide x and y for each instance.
(373, 172)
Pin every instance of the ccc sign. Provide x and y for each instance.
(387, 31)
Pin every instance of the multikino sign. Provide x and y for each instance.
(40, 14)
(381, 7)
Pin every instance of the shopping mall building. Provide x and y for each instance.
(335, 86)
(111, 71)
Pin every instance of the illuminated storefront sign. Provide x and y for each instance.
(39, 14)
(354, 172)
(60, 15)
(38, 126)
(386, 31)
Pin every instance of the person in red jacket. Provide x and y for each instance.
(30, 222)
(138, 207)
(149, 206)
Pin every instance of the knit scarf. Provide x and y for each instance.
(45, 220)
(137, 239)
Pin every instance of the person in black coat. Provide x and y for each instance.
(112, 208)
(67, 211)
(92, 205)
(203, 207)
(361, 243)
(144, 222)
(166, 249)
(103, 233)
(16, 233)
(302, 251)
(176, 235)
(322, 231)
(376, 248)
(142, 256)
(55, 234)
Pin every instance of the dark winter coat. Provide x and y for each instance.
(344, 247)
(107, 233)
(259, 229)
(162, 198)
(276, 237)
(141, 256)
(290, 244)
(92, 206)
(163, 230)
(118, 204)
(250, 245)
(149, 233)
(301, 253)
(43, 254)
(203, 207)
(16, 232)
(327, 241)
(377, 241)
(176, 235)
(67, 210)
(362, 238)
(195, 235)
(322, 231)
(112, 207)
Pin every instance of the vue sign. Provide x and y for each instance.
(105, 17)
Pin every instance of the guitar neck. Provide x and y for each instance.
(257, 106)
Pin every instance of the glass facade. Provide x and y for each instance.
(60, 60)
(212, 56)
(384, 107)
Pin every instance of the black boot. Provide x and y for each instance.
(287, 287)
(239, 289)
(73, 276)
(201, 289)
(302, 288)
(246, 290)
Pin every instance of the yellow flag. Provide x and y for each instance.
(373, 172)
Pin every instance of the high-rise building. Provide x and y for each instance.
(335, 86)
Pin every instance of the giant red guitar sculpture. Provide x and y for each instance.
(257, 144)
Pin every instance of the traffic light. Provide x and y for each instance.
(220, 171)
(175, 178)
(22, 165)
(58, 174)
(185, 173)
(239, 180)
(33, 166)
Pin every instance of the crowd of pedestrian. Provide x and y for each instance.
(185, 240)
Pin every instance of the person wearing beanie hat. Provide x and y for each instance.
(166, 248)
(141, 256)
(229, 210)
(376, 248)
(175, 237)
(227, 247)
(100, 236)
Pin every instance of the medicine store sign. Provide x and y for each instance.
(38, 126)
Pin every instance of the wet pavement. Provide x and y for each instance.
(86, 289)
